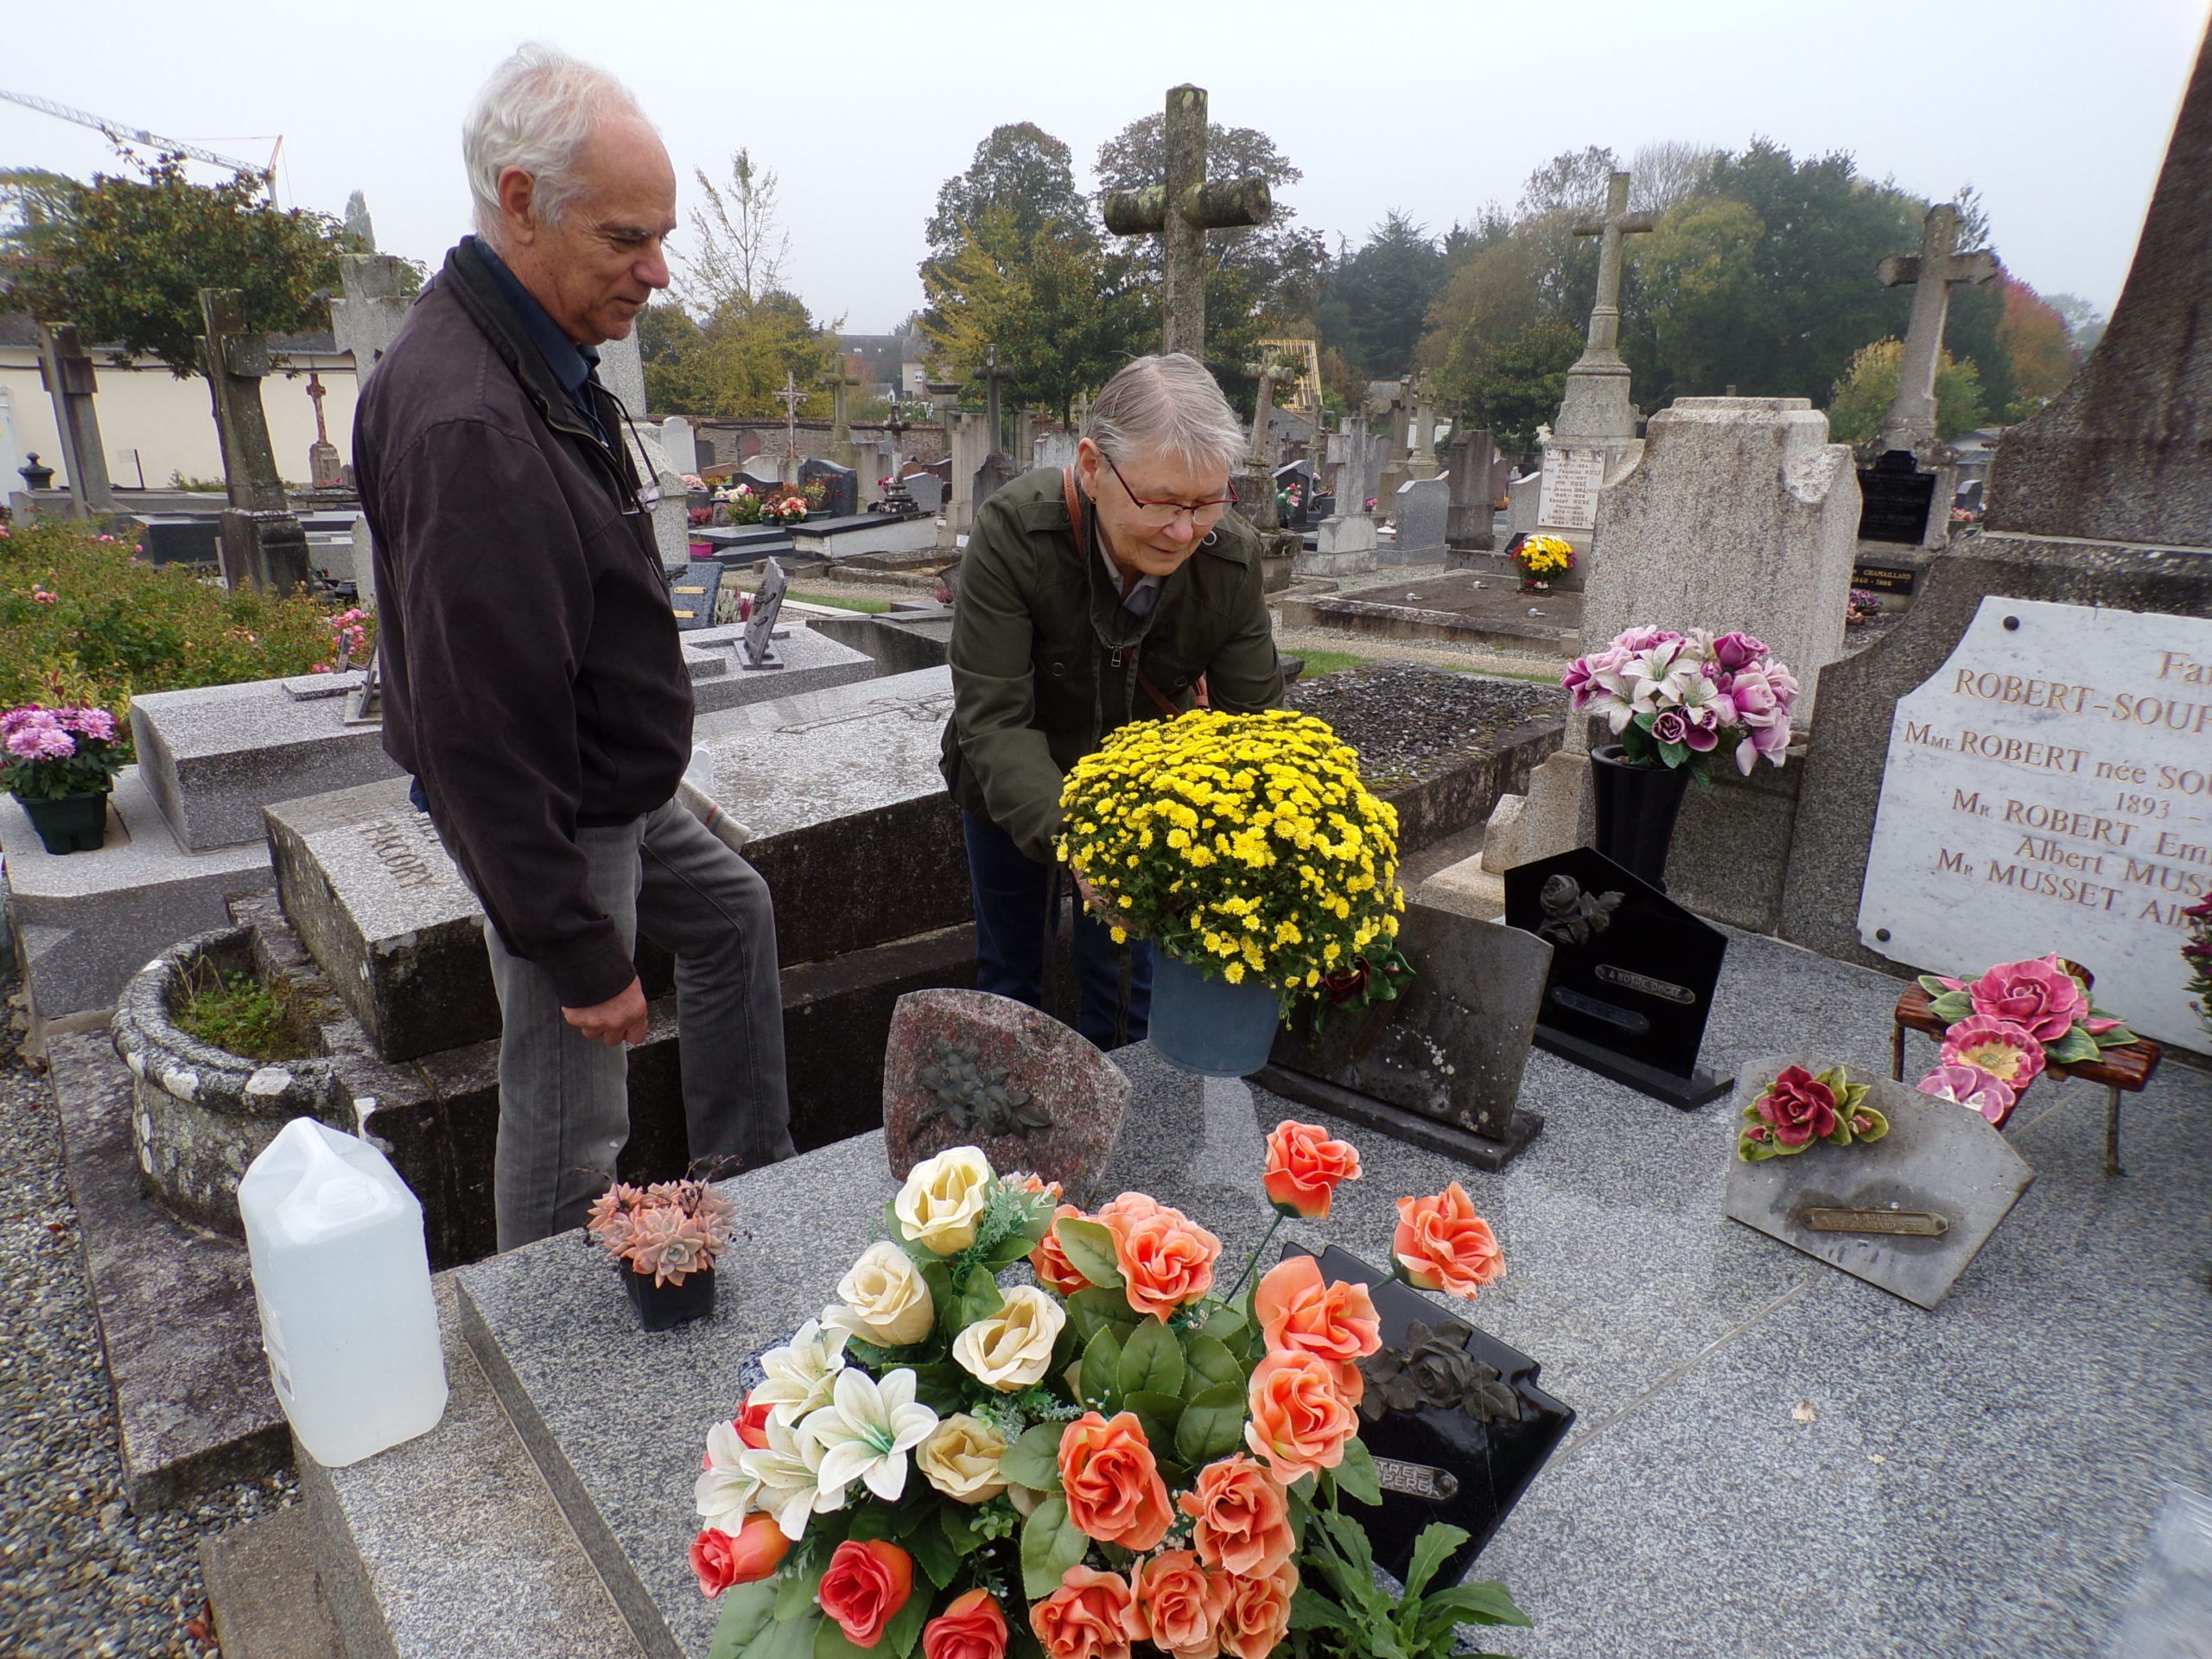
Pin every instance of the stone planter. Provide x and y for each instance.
(200, 1115)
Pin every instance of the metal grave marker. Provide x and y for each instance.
(758, 648)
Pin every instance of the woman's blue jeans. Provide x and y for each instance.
(1010, 892)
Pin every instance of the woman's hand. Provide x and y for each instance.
(1107, 913)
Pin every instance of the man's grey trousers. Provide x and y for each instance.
(564, 1103)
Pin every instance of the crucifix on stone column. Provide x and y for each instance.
(324, 471)
(1423, 464)
(991, 375)
(263, 545)
(1595, 404)
(791, 397)
(1261, 458)
(895, 426)
(1933, 273)
(1180, 212)
(842, 450)
(70, 381)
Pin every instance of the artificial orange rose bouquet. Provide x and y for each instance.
(1119, 1452)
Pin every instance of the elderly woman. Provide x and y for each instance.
(1121, 589)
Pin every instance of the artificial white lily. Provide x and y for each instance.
(789, 1471)
(724, 1491)
(802, 1373)
(866, 1429)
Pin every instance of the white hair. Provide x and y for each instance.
(537, 113)
(1168, 404)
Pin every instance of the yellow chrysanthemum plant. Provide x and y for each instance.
(1244, 845)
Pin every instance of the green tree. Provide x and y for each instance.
(1694, 275)
(1379, 297)
(1860, 400)
(1511, 386)
(1022, 170)
(124, 259)
(733, 365)
(741, 242)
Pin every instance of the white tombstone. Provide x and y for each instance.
(676, 438)
(1739, 513)
(2050, 788)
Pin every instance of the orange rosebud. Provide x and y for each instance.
(1240, 1517)
(1127, 1208)
(1114, 1490)
(722, 1561)
(1304, 1166)
(1088, 1616)
(1165, 1259)
(1050, 1262)
(752, 1424)
(972, 1627)
(1178, 1605)
(865, 1586)
(1335, 1323)
(1300, 1418)
(1442, 1244)
(1255, 1612)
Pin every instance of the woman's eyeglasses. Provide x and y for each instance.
(1160, 514)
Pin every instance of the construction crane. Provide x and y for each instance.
(119, 133)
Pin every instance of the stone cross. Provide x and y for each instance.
(895, 426)
(1423, 464)
(263, 545)
(790, 398)
(842, 450)
(70, 382)
(367, 318)
(1261, 458)
(1933, 271)
(991, 375)
(1597, 404)
(324, 471)
(1180, 212)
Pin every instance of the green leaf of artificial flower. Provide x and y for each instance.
(747, 1610)
(1207, 1362)
(1101, 1370)
(1089, 1246)
(1151, 1361)
(1356, 1475)
(1050, 1543)
(1212, 1424)
(1952, 1007)
(2076, 1045)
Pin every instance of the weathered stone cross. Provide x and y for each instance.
(1603, 349)
(1933, 270)
(791, 397)
(991, 374)
(1180, 212)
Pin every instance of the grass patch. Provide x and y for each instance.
(1319, 663)
(238, 1013)
(845, 603)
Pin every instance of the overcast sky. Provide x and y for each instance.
(2058, 110)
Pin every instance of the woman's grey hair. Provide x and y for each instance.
(537, 113)
(1168, 404)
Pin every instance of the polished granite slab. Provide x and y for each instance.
(1771, 1458)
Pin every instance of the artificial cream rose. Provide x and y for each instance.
(1013, 1348)
(944, 1199)
(961, 1458)
(885, 1300)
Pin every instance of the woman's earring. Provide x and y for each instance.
(1212, 536)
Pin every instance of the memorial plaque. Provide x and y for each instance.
(1632, 973)
(1896, 498)
(1438, 1461)
(1885, 578)
(1907, 1212)
(1448, 1051)
(758, 650)
(2050, 789)
(692, 595)
(1572, 476)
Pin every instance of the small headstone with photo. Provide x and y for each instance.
(758, 649)
(1632, 973)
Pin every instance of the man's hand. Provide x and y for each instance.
(619, 1019)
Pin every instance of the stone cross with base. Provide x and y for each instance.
(842, 450)
(324, 471)
(790, 398)
(1596, 404)
(67, 367)
(1933, 273)
(1180, 212)
(263, 545)
(1423, 465)
(991, 375)
(895, 426)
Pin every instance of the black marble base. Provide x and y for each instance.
(1432, 1134)
(1684, 1094)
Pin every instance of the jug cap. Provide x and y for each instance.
(343, 1197)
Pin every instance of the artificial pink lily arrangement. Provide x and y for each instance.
(2003, 1029)
(1674, 699)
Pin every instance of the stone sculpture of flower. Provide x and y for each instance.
(2005, 1051)
(1434, 1369)
(1801, 1108)
(1972, 1087)
(802, 1374)
(867, 1430)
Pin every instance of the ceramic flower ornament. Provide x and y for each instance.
(867, 1430)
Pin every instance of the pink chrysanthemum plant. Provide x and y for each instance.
(2046, 997)
(48, 753)
(1801, 1109)
(670, 1229)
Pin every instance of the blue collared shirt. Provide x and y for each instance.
(571, 364)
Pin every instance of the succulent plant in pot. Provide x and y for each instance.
(665, 1239)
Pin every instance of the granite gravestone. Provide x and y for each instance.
(841, 486)
(692, 595)
(758, 649)
(927, 490)
(1454, 1418)
(997, 472)
(967, 1069)
(1469, 527)
(1632, 973)
(1440, 1066)
(1908, 1212)
(1895, 500)
(1424, 505)
(2050, 789)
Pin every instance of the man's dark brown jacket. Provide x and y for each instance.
(533, 681)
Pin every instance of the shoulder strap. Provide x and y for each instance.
(1068, 494)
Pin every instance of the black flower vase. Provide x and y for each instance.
(662, 1307)
(1636, 806)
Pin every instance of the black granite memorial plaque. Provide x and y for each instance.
(1885, 578)
(1437, 1458)
(692, 595)
(1632, 973)
(1896, 498)
(841, 486)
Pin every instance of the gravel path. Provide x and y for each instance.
(80, 1576)
(1404, 718)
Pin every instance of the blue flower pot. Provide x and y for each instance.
(1201, 1023)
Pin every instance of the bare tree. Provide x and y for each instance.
(1668, 172)
(741, 246)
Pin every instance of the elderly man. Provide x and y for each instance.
(533, 682)
(1123, 590)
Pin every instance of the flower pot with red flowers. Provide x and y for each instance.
(60, 763)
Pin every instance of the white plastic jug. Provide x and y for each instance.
(343, 1281)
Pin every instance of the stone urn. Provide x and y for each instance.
(200, 1115)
